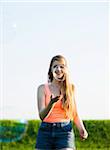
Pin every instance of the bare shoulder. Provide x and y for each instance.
(41, 87)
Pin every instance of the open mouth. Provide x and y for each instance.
(58, 73)
(61, 77)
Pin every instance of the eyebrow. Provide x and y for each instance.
(59, 65)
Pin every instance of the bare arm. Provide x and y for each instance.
(80, 126)
(78, 122)
(44, 110)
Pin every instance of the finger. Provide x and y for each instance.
(82, 138)
(57, 97)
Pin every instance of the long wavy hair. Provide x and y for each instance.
(67, 87)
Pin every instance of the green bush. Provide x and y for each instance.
(98, 134)
(98, 130)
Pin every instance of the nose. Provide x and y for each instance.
(58, 68)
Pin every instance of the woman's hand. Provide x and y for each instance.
(55, 99)
(83, 134)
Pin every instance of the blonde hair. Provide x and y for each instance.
(67, 88)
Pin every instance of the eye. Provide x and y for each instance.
(54, 66)
(62, 67)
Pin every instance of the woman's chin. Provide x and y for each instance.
(60, 77)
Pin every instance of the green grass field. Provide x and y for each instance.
(28, 147)
(98, 139)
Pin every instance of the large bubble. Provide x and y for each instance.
(12, 131)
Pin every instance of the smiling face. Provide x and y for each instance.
(59, 70)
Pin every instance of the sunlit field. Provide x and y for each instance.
(22, 136)
(31, 148)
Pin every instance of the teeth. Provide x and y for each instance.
(57, 73)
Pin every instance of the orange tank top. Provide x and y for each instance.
(57, 113)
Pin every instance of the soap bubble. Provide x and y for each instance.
(13, 130)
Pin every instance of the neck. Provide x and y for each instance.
(57, 83)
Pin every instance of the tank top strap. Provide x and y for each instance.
(47, 90)
(47, 94)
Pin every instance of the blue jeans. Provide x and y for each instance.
(53, 136)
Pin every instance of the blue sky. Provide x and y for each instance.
(32, 33)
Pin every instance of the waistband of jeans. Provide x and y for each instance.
(56, 124)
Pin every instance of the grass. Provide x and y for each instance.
(27, 148)
(98, 136)
(30, 147)
(33, 149)
(93, 149)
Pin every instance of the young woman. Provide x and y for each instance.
(57, 108)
